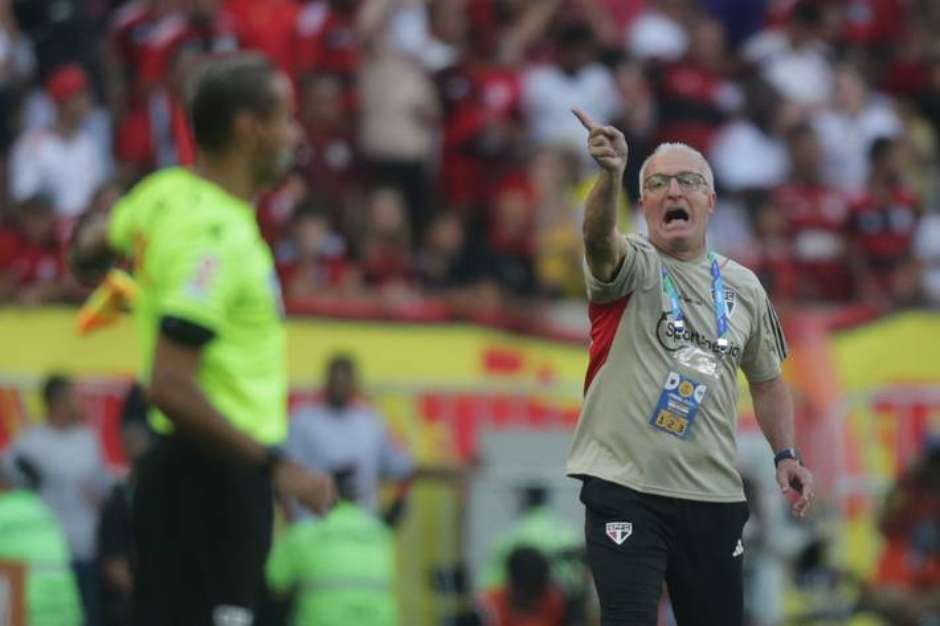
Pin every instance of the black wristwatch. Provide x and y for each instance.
(788, 453)
(273, 456)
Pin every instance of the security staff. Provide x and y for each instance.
(341, 566)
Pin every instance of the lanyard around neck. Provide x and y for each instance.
(718, 300)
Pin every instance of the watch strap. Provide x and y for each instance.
(787, 453)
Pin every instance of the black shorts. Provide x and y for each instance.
(202, 530)
(637, 541)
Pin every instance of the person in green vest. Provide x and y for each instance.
(340, 567)
(540, 528)
(30, 535)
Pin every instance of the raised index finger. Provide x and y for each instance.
(585, 119)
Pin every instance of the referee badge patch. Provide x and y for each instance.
(619, 531)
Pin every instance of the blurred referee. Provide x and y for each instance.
(209, 315)
(671, 323)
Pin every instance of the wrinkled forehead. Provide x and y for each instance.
(674, 162)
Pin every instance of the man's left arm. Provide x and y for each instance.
(773, 407)
(395, 463)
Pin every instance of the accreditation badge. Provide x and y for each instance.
(697, 362)
(678, 405)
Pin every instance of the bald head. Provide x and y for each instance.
(668, 147)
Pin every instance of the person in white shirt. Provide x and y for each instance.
(64, 462)
(659, 32)
(574, 80)
(64, 160)
(795, 59)
(750, 153)
(342, 431)
(850, 127)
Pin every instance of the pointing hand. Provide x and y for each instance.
(606, 144)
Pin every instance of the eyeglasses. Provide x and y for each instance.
(688, 181)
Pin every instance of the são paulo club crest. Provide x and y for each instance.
(731, 297)
(619, 531)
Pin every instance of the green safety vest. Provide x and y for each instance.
(342, 567)
(543, 530)
(30, 534)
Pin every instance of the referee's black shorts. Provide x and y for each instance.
(693, 546)
(202, 529)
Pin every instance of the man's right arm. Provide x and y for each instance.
(604, 246)
(175, 391)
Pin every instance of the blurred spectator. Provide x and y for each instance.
(17, 65)
(32, 268)
(540, 528)
(114, 532)
(659, 32)
(313, 260)
(506, 257)
(884, 221)
(340, 567)
(442, 263)
(267, 26)
(906, 72)
(135, 26)
(637, 119)
(740, 18)
(905, 589)
(850, 126)
(59, 31)
(795, 58)
(328, 41)
(329, 159)
(399, 117)
(927, 252)
(202, 25)
(482, 101)
(435, 32)
(694, 94)
(817, 219)
(385, 249)
(919, 153)
(573, 79)
(341, 430)
(17, 61)
(64, 160)
(750, 153)
(731, 227)
(928, 99)
(31, 538)
(277, 207)
(155, 131)
(72, 478)
(771, 252)
(556, 188)
(529, 597)
(876, 24)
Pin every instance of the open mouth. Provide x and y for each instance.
(674, 215)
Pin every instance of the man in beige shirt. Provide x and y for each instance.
(671, 323)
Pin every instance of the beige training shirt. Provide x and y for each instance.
(644, 375)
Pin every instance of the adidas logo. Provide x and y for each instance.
(738, 549)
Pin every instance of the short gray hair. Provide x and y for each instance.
(679, 147)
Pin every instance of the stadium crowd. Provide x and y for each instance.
(442, 169)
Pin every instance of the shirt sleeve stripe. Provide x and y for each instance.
(778, 332)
